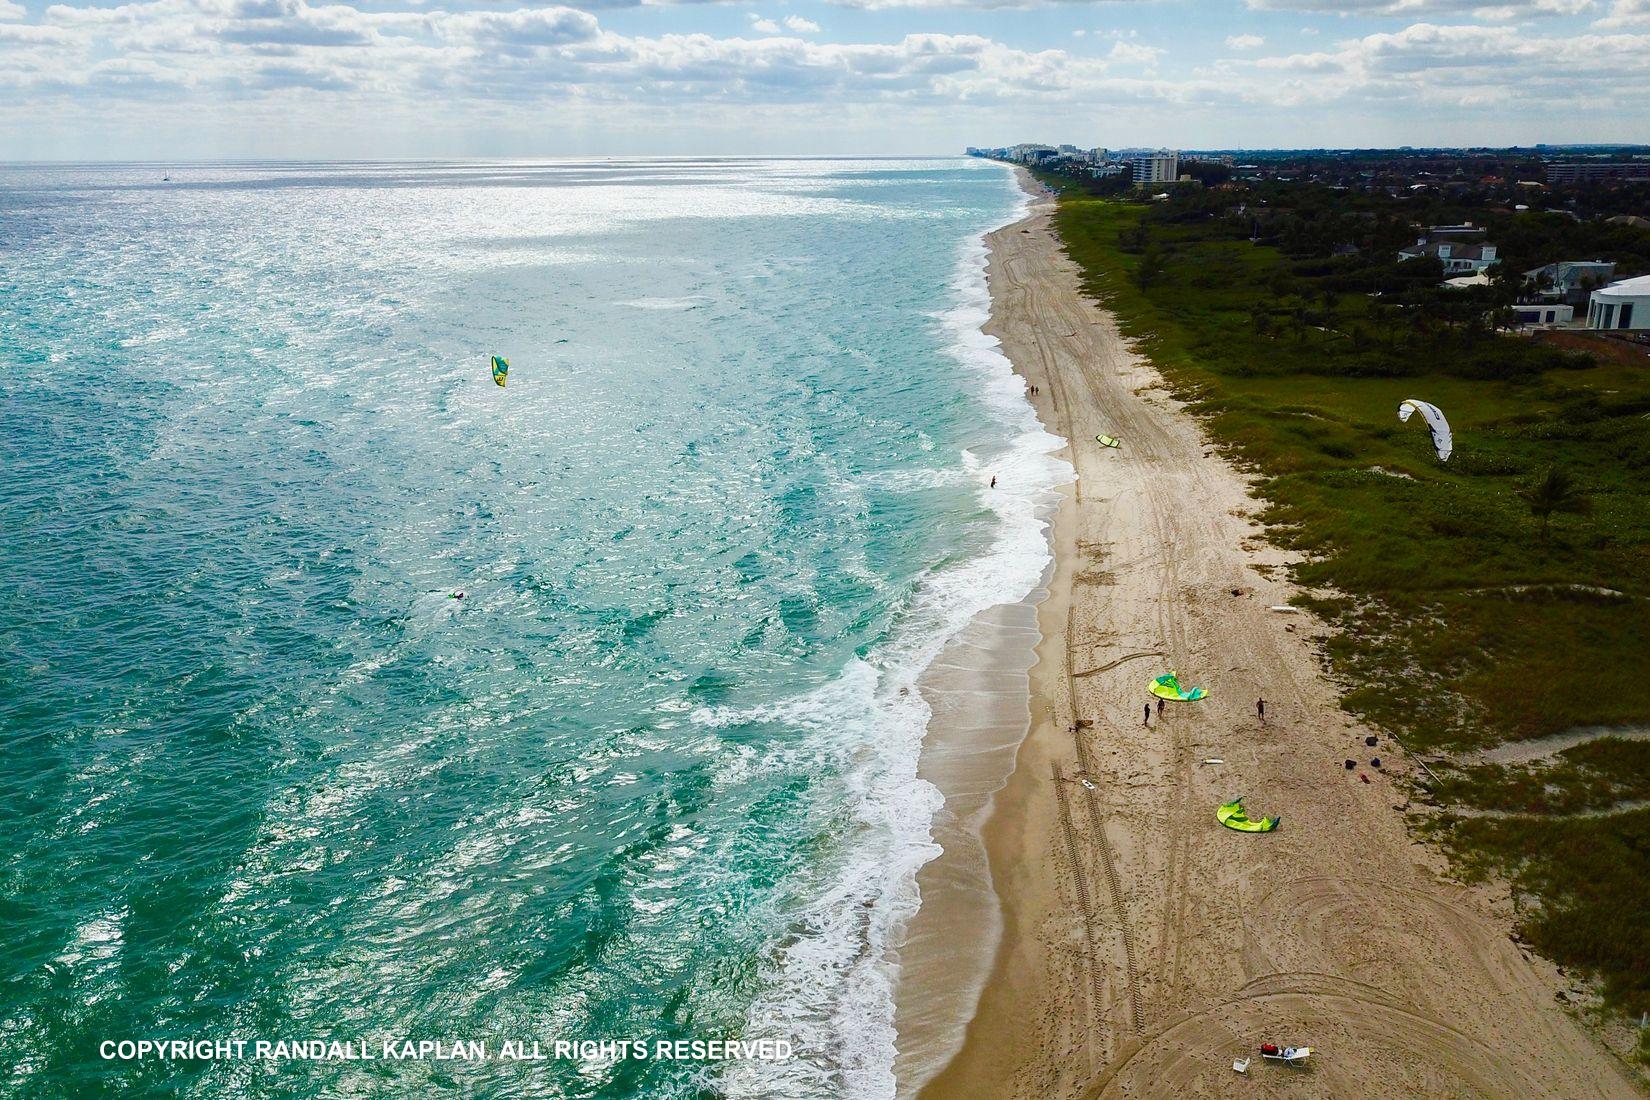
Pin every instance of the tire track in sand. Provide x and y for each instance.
(1097, 987)
(1114, 886)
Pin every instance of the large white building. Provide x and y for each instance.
(1621, 305)
(1162, 166)
(1460, 248)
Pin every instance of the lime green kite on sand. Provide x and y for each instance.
(1108, 441)
(1232, 815)
(501, 367)
(1168, 687)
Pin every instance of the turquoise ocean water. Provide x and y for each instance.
(653, 777)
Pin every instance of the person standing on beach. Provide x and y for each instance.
(1146, 719)
(1260, 709)
(1160, 708)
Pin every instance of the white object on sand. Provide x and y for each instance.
(1284, 609)
(1213, 760)
(1241, 1065)
(1295, 1056)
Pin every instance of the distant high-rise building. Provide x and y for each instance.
(1583, 171)
(1162, 166)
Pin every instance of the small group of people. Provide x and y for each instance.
(1146, 714)
(1034, 390)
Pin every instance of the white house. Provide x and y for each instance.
(1570, 280)
(1621, 305)
(1544, 313)
(1458, 257)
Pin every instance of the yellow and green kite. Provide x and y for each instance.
(501, 367)
(1108, 441)
(1232, 815)
(1168, 687)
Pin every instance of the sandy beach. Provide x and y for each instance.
(1142, 946)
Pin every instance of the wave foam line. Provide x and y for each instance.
(833, 991)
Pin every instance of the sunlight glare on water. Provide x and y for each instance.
(654, 776)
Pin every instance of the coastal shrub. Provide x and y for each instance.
(1584, 880)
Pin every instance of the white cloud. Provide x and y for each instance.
(1626, 13)
(1244, 42)
(1309, 32)
(800, 25)
(8, 10)
(1131, 53)
(1465, 66)
(314, 64)
(1418, 8)
(985, 5)
(527, 27)
(245, 49)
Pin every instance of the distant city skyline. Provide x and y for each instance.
(196, 79)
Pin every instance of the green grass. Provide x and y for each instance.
(1458, 626)
(1580, 884)
(1593, 776)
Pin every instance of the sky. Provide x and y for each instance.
(204, 79)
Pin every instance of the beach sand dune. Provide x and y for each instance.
(1143, 946)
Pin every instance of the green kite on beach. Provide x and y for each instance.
(1168, 687)
(1108, 441)
(1233, 816)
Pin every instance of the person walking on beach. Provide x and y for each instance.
(1160, 709)
(1260, 709)
(1146, 719)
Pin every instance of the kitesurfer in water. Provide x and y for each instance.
(993, 481)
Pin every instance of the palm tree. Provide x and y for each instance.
(1554, 491)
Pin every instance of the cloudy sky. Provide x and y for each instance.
(177, 79)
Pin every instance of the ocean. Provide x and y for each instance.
(654, 777)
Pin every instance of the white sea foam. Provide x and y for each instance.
(691, 301)
(833, 989)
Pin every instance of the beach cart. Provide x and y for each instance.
(1293, 1056)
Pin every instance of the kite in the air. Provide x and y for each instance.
(501, 367)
